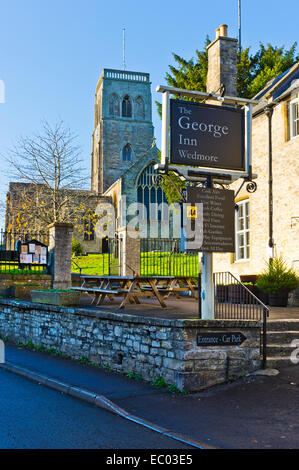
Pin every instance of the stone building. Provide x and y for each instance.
(123, 144)
(123, 154)
(267, 221)
(28, 207)
(123, 130)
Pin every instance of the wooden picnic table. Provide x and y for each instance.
(133, 287)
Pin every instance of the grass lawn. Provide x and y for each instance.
(94, 264)
(153, 263)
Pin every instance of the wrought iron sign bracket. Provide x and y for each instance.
(251, 186)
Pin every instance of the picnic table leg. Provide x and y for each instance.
(156, 292)
(170, 286)
(101, 297)
(128, 294)
(134, 297)
(188, 280)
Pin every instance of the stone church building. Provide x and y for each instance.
(123, 155)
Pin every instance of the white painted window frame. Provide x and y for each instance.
(244, 231)
(292, 119)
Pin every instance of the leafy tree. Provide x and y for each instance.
(188, 74)
(49, 166)
(253, 70)
(253, 73)
(50, 162)
(268, 63)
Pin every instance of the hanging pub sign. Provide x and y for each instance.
(204, 135)
(212, 212)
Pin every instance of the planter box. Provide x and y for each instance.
(59, 298)
(222, 293)
(279, 299)
(263, 296)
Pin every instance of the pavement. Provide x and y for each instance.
(256, 412)
(34, 417)
(183, 308)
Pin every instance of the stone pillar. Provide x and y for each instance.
(60, 252)
(129, 251)
(222, 63)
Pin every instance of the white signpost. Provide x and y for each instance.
(199, 173)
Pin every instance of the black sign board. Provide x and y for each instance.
(220, 339)
(206, 136)
(218, 219)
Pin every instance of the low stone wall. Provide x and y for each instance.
(151, 347)
(25, 283)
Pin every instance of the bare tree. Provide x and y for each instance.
(51, 166)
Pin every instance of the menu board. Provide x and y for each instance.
(218, 218)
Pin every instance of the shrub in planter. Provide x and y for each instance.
(278, 281)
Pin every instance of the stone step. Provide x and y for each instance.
(279, 362)
(283, 325)
(280, 350)
(282, 337)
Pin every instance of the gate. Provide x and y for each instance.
(164, 257)
(234, 301)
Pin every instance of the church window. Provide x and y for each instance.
(114, 105)
(127, 153)
(148, 192)
(139, 108)
(126, 107)
(89, 229)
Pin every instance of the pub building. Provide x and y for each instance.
(266, 221)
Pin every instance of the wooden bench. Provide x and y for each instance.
(96, 289)
(99, 293)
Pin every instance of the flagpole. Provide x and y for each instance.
(239, 8)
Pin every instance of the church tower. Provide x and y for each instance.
(123, 129)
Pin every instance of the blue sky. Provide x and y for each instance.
(52, 52)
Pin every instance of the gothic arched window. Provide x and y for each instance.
(127, 153)
(148, 192)
(114, 105)
(139, 108)
(126, 109)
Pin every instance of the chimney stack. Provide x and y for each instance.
(222, 63)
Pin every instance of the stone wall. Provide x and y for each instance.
(24, 283)
(151, 347)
